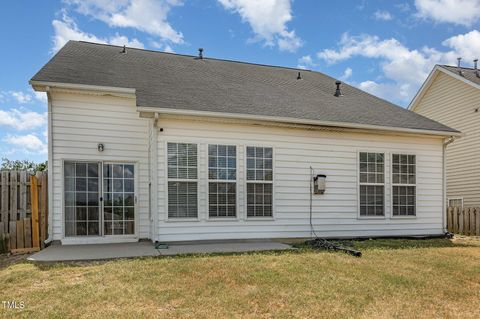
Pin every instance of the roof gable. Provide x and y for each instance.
(467, 76)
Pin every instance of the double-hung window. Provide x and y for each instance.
(403, 181)
(372, 184)
(222, 176)
(259, 181)
(182, 180)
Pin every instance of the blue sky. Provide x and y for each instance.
(384, 47)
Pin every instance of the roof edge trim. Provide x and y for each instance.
(41, 86)
(297, 121)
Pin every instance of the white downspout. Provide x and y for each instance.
(448, 141)
(50, 168)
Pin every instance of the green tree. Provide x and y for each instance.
(19, 165)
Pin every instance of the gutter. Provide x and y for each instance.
(50, 168)
(446, 142)
(265, 118)
(42, 86)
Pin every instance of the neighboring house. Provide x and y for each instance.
(145, 144)
(451, 95)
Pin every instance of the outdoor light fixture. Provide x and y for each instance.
(100, 147)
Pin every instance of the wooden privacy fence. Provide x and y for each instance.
(23, 211)
(464, 221)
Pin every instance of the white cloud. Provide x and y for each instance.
(41, 96)
(148, 16)
(346, 74)
(403, 69)
(462, 12)
(29, 143)
(268, 19)
(21, 97)
(66, 29)
(305, 62)
(22, 120)
(383, 15)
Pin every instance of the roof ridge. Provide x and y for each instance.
(194, 56)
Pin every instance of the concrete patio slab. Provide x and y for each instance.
(222, 247)
(58, 253)
(65, 253)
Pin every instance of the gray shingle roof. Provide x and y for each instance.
(182, 82)
(467, 73)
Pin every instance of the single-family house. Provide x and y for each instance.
(451, 95)
(170, 147)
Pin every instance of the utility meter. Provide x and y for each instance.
(319, 184)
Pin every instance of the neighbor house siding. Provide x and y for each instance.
(453, 103)
(335, 214)
(79, 123)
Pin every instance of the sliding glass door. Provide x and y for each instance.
(82, 199)
(119, 199)
(99, 198)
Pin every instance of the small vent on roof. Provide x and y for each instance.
(124, 50)
(338, 91)
(299, 76)
(200, 54)
(475, 67)
(459, 62)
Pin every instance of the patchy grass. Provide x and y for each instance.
(435, 278)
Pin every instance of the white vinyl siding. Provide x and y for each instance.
(454, 103)
(79, 123)
(330, 152)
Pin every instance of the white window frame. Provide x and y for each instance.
(454, 198)
(384, 184)
(245, 169)
(392, 184)
(235, 181)
(167, 179)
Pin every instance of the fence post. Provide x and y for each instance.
(13, 195)
(5, 200)
(34, 204)
(477, 222)
(43, 208)
(450, 219)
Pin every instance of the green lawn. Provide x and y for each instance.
(435, 278)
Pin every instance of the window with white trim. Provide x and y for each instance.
(182, 180)
(372, 184)
(404, 185)
(259, 181)
(222, 175)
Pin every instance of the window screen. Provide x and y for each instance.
(222, 174)
(182, 180)
(372, 184)
(259, 181)
(403, 181)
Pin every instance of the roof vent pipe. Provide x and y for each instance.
(200, 53)
(475, 67)
(459, 59)
(299, 76)
(124, 50)
(338, 92)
